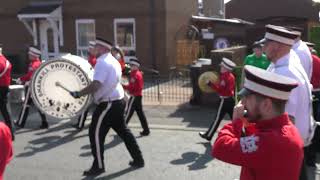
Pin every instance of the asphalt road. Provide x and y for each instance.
(173, 150)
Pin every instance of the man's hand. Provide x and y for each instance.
(238, 111)
(75, 94)
(209, 83)
(18, 81)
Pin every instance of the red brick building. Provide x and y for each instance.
(146, 28)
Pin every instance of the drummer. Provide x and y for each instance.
(35, 62)
(5, 80)
(108, 95)
(92, 59)
(225, 88)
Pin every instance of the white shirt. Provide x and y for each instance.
(299, 103)
(108, 72)
(304, 55)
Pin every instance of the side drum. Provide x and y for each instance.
(53, 81)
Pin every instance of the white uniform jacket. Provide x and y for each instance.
(299, 104)
(108, 72)
(304, 55)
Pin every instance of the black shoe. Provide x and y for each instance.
(93, 172)
(144, 133)
(44, 126)
(311, 163)
(137, 164)
(204, 136)
(18, 126)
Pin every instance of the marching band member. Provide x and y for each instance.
(278, 42)
(35, 62)
(302, 50)
(134, 88)
(5, 81)
(315, 81)
(92, 60)
(265, 144)
(225, 88)
(6, 148)
(108, 95)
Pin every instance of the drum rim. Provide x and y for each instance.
(35, 99)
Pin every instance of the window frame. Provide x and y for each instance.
(83, 21)
(129, 21)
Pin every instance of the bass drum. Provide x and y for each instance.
(54, 79)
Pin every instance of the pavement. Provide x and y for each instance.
(173, 150)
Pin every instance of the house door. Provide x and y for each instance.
(48, 40)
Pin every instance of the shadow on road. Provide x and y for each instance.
(195, 116)
(49, 142)
(115, 141)
(195, 160)
(111, 176)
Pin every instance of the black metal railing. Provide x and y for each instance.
(172, 88)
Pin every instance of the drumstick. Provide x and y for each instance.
(62, 86)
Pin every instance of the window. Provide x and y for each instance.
(125, 33)
(85, 32)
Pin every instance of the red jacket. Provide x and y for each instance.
(226, 84)
(315, 78)
(33, 66)
(122, 64)
(6, 148)
(92, 60)
(5, 79)
(135, 83)
(273, 149)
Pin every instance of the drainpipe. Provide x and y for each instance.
(152, 33)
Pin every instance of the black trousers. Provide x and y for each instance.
(110, 115)
(314, 147)
(25, 110)
(3, 106)
(83, 117)
(304, 168)
(226, 107)
(135, 104)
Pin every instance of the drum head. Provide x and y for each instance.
(204, 78)
(55, 100)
